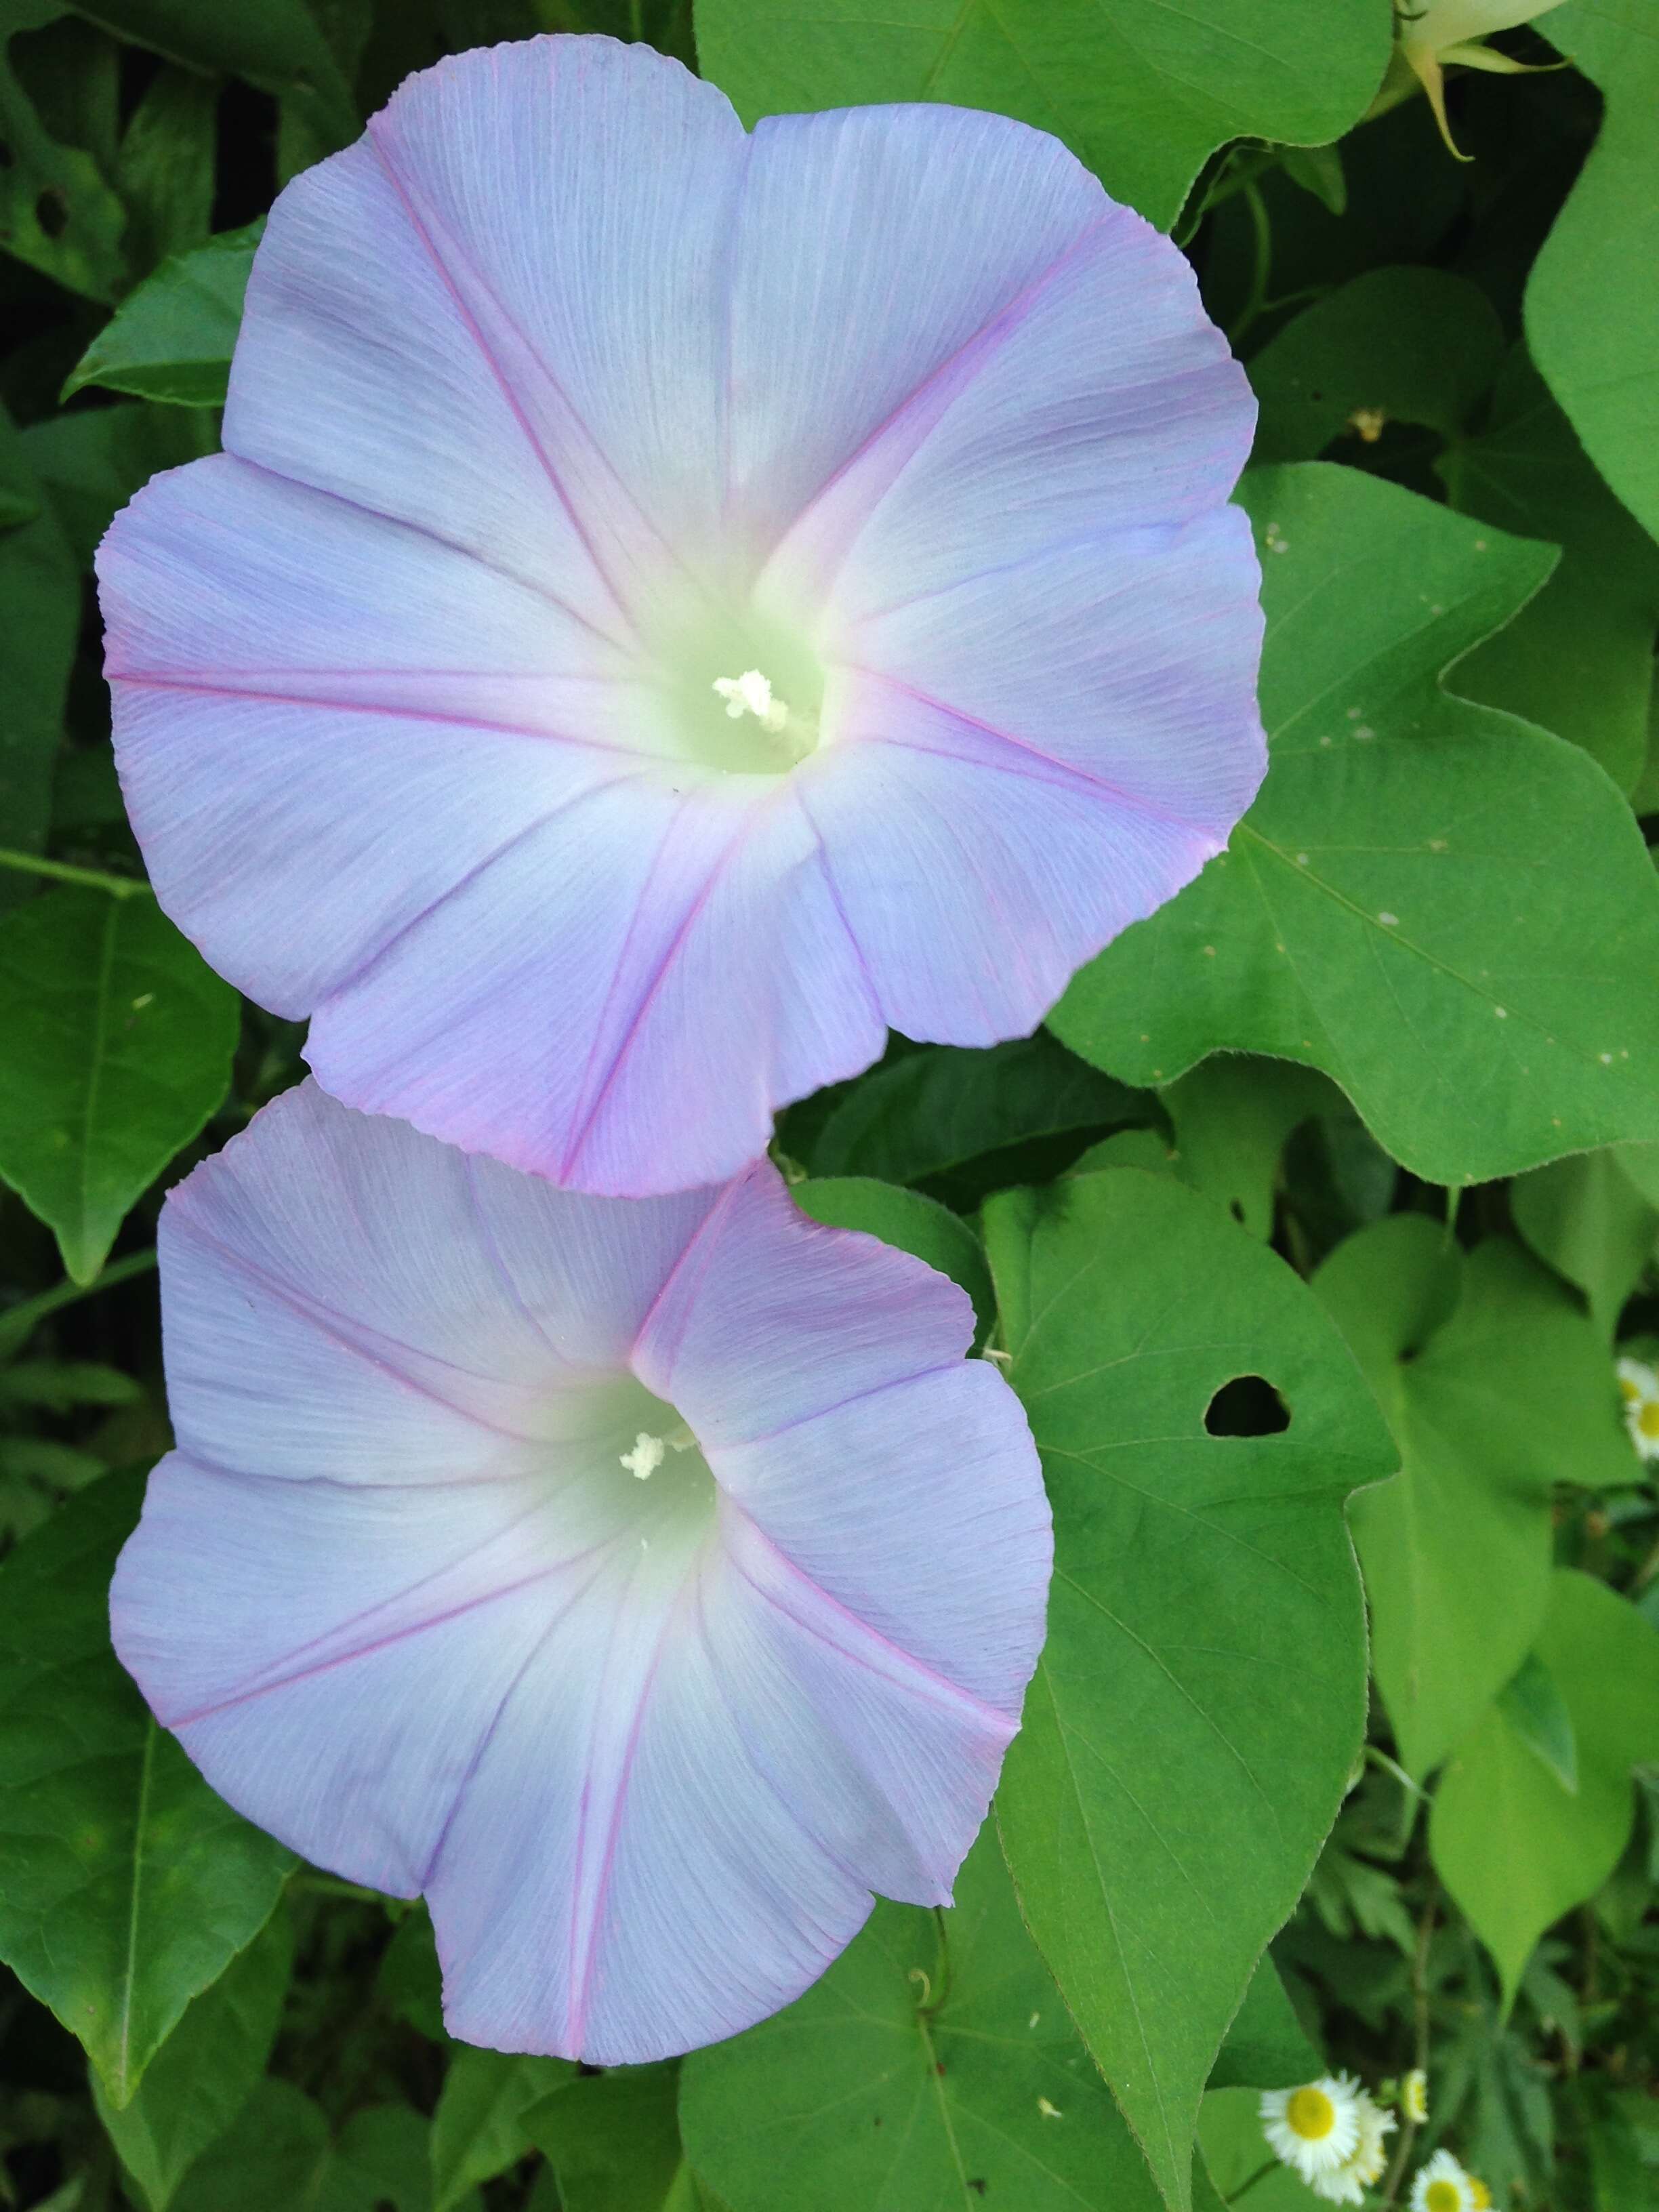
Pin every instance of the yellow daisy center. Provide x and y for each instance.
(1312, 2116)
(1443, 2196)
(1648, 1420)
(1628, 1390)
(1479, 2195)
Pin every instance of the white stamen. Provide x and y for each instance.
(647, 1455)
(751, 694)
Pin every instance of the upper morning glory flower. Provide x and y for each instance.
(646, 1584)
(674, 603)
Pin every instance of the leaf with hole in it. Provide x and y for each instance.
(205, 2071)
(1497, 1388)
(58, 210)
(119, 1040)
(277, 45)
(1143, 95)
(933, 2065)
(173, 338)
(127, 1887)
(1201, 1700)
(1515, 1847)
(1592, 305)
(1450, 912)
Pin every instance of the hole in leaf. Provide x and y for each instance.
(1248, 1405)
(52, 212)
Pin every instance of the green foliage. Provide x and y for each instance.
(121, 1040)
(173, 339)
(206, 2070)
(1141, 96)
(1400, 1043)
(1496, 1390)
(479, 2127)
(1593, 302)
(934, 2056)
(1482, 880)
(39, 624)
(1517, 1844)
(129, 1887)
(613, 2144)
(1204, 1601)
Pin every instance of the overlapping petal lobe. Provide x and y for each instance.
(752, 1761)
(578, 196)
(221, 574)
(400, 411)
(769, 1318)
(956, 1583)
(888, 236)
(620, 1001)
(330, 1653)
(343, 1295)
(620, 1880)
(1030, 761)
(1100, 398)
(1131, 661)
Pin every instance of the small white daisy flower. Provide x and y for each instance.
(1315, 2129)
(1442, 2186)
(1348, 2183)
(1638, 1385)
(1414, 2096)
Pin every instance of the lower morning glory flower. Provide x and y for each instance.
(645, 1582)
(675, 603)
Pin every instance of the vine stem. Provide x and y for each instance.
(1248, 2184)
(35, 864)
(1420, 2011)
(1262, 239)
(17, 1326)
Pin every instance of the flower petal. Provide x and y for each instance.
(648, 1746)
(687, 970)
(576, 197)
(346, 1298)
(1033, 760)
(771, 1319)
(1099, 398)
(895, 237)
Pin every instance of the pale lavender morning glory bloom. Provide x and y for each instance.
(675, 603)
(647, 1583)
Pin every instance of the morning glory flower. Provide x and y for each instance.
(646, 1584)
(675, 604)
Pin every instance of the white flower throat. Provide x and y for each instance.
(650, 1451)
(752, 693)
